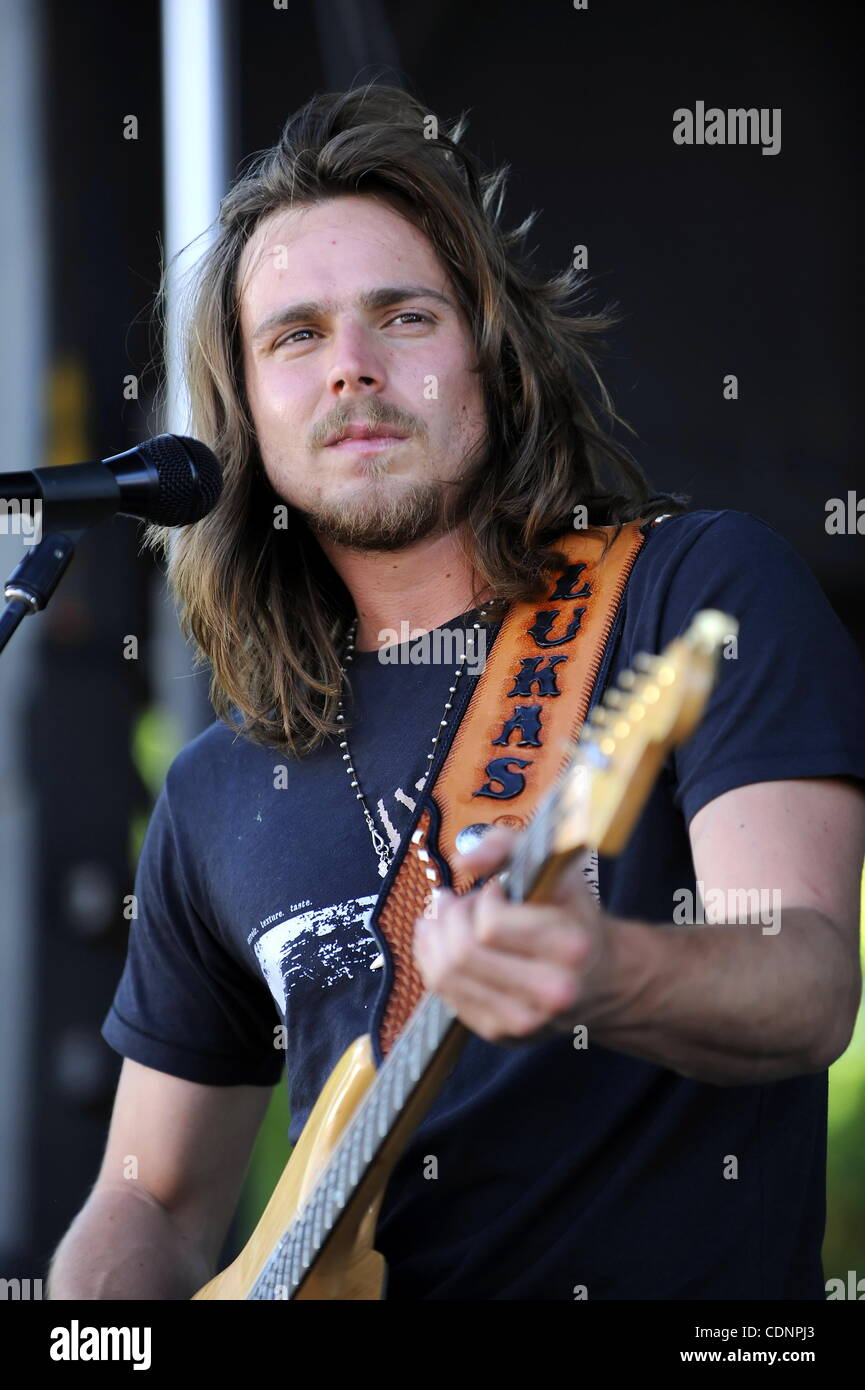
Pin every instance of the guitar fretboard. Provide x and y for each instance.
(368, 1129)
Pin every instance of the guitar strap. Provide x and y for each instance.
(511, 743)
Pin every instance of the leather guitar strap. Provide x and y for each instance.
(512, 742)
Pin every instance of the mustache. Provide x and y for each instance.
(371, 416)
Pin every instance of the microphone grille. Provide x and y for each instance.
(190, 479)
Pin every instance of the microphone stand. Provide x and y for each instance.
(34, 579)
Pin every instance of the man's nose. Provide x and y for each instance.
(356, 363)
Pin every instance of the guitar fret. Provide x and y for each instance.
(294, 1267)
(271, 1276)
(354, 1157)
(430, 1026)
(392, 1096)
(305, 1245)
(404, 1080)
(386, 1106)
(382, 1113)
(370, 1136)
(302, 1248)
(317, 1219)
(341, 1176)
(415, 1057)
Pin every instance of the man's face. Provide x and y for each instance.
(373, 337)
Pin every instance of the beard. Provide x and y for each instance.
(387, 517)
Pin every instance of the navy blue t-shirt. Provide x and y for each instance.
(557, 1167)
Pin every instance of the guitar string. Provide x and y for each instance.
(381, 1106)
(359, 1140)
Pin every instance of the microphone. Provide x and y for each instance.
(170, 480)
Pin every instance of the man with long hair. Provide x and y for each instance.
(408, 420)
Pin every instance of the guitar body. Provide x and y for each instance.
(349, 1267)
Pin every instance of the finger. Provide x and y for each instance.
(497, 1018)
(540, 987)
(495, 847)
(531, 929)
(448, 955)
(440, 940)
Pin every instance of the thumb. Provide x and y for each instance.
(494, 849)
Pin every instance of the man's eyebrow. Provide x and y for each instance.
(381, 298)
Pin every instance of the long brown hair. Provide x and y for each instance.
(264, 606)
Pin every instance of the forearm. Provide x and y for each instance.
(124, 1245)
(726, 1003)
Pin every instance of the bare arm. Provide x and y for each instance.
(155, 1222)
(726, 1004)
(734, 1004)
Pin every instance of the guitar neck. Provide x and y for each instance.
(404, 1087)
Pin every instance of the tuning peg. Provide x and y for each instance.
(627, 680)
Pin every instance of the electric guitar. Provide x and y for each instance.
(316, 1236)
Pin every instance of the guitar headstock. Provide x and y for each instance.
(650, 710)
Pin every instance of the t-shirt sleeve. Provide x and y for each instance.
(790, 696)
(184, 1004)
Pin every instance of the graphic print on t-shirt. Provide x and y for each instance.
(406, 802)
(323, 944)
(326, 944)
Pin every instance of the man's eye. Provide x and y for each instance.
(405, 313)
(287, 337)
